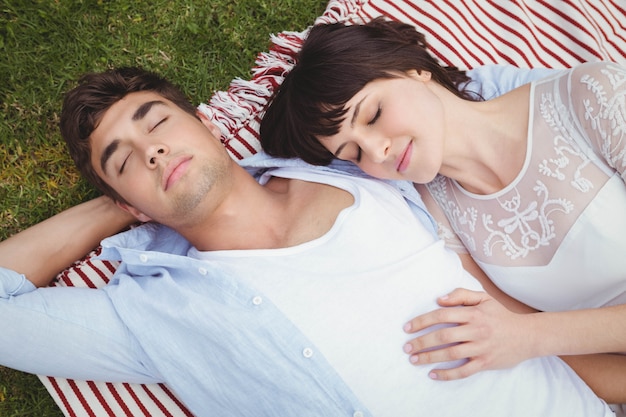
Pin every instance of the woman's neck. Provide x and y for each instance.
(486, 147)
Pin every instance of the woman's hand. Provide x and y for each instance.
(489, 335)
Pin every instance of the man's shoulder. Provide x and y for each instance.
(147, 237)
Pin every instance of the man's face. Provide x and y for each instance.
(160, 159)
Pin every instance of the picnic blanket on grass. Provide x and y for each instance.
(466, 34)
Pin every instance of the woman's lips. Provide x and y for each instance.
(405, 158)
(175, 169)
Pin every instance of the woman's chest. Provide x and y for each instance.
(525, 223)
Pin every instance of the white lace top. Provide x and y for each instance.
(555, 238)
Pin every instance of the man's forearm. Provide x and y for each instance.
(604, 373)
(45, 249)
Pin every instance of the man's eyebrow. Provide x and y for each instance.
(357, 109)
(142, 110)
(106, 155)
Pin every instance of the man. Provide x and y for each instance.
(281, 295)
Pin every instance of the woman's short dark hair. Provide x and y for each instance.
(336, 61)
(95, 93)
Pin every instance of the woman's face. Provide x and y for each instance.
(393, 129)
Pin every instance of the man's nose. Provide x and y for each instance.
(154, 152)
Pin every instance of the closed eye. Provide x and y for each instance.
(357, 152)
(375, 118)
(124, 164)
(157, 125)
(346, 155)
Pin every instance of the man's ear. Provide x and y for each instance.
(215, 131)
(132, 210)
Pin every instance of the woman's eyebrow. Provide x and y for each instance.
(357, 109)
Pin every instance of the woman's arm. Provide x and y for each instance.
(470, 265)
(494, 337)
(43, 250)
(487, 333)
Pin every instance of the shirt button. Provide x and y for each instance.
(307, 352)
(257, 300)
(358, 414)
(143, 258)
(202, 271)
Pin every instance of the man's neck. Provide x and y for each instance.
(282, 213)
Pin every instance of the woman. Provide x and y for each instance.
(530, 184)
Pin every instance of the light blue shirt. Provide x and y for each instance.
(490, 81)
(165, 317)
(259, 163)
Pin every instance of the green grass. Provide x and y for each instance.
(45, 45)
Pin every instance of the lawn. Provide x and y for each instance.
(46, 44)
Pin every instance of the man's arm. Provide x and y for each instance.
(605, 373)
(67, 332)
(43, 250)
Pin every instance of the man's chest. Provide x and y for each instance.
(315, 210)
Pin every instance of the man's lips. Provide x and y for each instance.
(174, 169)
(405, 158)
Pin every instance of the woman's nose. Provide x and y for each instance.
(377, 149)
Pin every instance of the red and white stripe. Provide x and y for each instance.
(526, 33)
(100, 399)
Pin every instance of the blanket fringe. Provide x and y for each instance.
(341, 11)
(245, 100)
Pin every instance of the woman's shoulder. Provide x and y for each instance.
(598, 66)
(589, 74)
(598, 75)
(584, 88)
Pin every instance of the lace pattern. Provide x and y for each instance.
(577, 141)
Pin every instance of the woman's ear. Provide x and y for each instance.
(422, 75)
(133, 211)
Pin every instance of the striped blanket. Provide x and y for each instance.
(469, 33)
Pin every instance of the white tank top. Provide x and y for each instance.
(351, 291)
